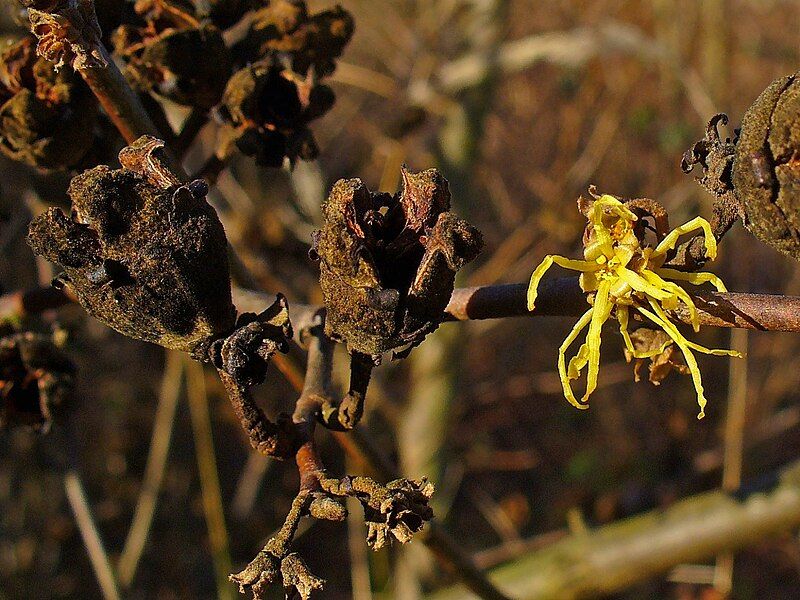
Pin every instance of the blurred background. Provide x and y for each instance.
(522, 105)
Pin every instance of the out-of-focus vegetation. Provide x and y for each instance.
(522, 105)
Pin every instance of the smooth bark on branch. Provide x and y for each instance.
(619, 555)
(563, 297)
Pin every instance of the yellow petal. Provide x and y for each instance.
(678, 293)
(660, 318)
(562, 367)
(640, 284)
(547, 262)
(693, 278)
(602, 310)
(668, 243)
(623, 317)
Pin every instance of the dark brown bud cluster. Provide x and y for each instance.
(47, 118)
(388, 263)
(147, 256)
(174, 54)
(269, 104)
(36, 379)
(754, 175)
(399, 513)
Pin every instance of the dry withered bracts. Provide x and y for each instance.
(754, 175)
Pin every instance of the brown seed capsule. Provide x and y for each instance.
(142, 253)
(147, 256)
(35, 379)
(388, 263)
(47, 118)
(755, 175)
(175, 55)
(766, 169)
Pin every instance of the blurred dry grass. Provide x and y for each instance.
(619, 90)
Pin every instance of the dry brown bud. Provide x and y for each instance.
(268, 111)
(142, 254)
(285, 33)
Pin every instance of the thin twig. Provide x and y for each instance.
(559, 297)
(563, 297)
(91, 538)
(154, 470)
(366, 453)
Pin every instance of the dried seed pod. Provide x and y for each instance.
(268, 110)
(766, 169)
(47, 118)
(285, 32)
(142, 253)
(755, 175)
(36, 378)
(388, 263)
(297, 579)
(174, 54)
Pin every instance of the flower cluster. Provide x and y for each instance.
(622, 274)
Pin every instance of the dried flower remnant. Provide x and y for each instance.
(142, 253)
(269, 103)
(268, 109)
(68, 33)
(47, 118)
(388, 263)
(656, 347)
(287, 34)
(754, 175)
(36, 379)
(620, 274)
(174, 54)
(395, 511)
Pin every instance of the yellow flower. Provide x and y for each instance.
(623, 275)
